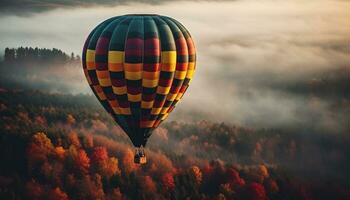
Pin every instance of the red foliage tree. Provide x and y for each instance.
(57, 194)
(159, 164)
(82, 162)
(99, 155)
(103, 164)
(33, 190)
(271, 186)
(46, 170)
(90, 187)
(112, 167)
(213, 176)
(88, 141)
(147, 184)
(40, 120)
(253, 191)
(167, 181)
(128, 161)
(233, 177)
(115, 195)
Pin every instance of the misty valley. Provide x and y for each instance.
(57, 142)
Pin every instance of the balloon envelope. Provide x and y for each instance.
(139, 67)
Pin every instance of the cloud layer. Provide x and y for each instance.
(25, 8)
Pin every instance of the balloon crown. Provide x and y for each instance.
(141, 15)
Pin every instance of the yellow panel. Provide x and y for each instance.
(168, 57)
(119, 90)
(156, 111)
(147, 104)
(147, 124)
(134, 98)
(171, 97)
(90, 55)
(164, 116)
(180, 74)
(133, 75)
(164, 110)
(117, 110)
(149, 83)
(115, 56)
(189, 74)
(179, 96)
(191, 65)
(163, 90)
(125, 111)
(105, 82)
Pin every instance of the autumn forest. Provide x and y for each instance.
(60, 146)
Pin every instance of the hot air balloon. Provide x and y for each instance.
(139, 66)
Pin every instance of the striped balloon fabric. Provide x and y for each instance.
(139, 67)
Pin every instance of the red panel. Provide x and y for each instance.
(134, 90)
(181, 66)
(154, 67)
(165, 82)
(102, 46)
(148, 97)
(181, 46)
(118, 82)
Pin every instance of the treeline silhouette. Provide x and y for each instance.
(55, 146)
(30, 54)
(49, 70)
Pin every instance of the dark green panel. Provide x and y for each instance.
(117, 42)
(165, 35)
(97, 33)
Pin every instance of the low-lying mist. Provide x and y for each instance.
(260, 64)
(283, 94)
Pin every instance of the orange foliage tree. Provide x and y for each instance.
(74, 139)
(196, 172)
(103, 164)
(39, 149)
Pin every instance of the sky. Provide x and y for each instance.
(254, 58)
